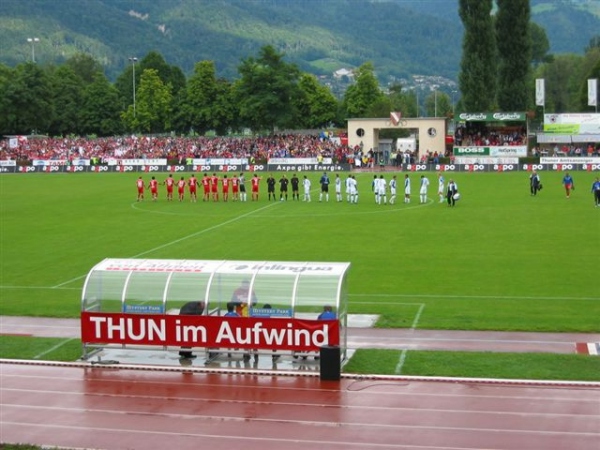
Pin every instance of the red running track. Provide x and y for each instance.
(125, 407)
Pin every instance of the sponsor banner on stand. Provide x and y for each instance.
(573, 123)
(144, 162)
(209, 331)
(491, 150)
(308, 167)
(462, 165)
(218, 161)
(493, 117)
(484, 160)
(49, 162)
(567, 160)
(307, 161)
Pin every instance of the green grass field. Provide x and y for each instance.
(499, 260)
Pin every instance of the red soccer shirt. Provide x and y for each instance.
(170, 182)
(225, 182)
(255, 181)
(214, 183)
(154, 186)
(206, 184)
(193, 183)
(235, 183)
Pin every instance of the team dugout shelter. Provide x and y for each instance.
(170, 304)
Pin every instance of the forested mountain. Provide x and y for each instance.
(400, 37)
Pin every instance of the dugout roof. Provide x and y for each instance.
(162, 286)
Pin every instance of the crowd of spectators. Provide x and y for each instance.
(176, 148)
(467, 137)
(568, 150)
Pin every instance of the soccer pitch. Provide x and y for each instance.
(499, 260)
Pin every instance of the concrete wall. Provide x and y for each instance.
(431, 132)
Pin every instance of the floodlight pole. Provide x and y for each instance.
(32, 41)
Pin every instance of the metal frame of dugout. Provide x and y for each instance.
(162, 286)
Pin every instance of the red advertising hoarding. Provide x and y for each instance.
(209, 331)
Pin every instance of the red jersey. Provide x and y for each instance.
(170, 182)
(140, 185)
(181, 186)
(255, 181)
(235, 183)
(225, 182)
(206, 184)
(154, 186)
(193, 183)
(214, 183)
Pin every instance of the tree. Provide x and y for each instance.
(225, 112)
(514, 51)
(200, 97)
(28, 100)
(477, 78)
(266, 91)
(101, 108)
(363, 94)
(67, 92)
(6, 74)
(540, 45)
(153, 105)
(317, 106)
(84, 66)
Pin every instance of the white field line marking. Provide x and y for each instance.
(177, 241)
(400, 364)
(60, 344)
(417, 317)
(40, 287)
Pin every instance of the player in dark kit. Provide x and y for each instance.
(283, 188)
(295, 187)
(271, 187)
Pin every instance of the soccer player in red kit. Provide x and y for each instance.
(153, 186)
(170, 183)
(225, 181)
(181, 188)
(140, 189)
(192, 183)
(206, 187)
(214, 187)
(255, 182)
(235, 187)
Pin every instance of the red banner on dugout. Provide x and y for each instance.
(209, 331)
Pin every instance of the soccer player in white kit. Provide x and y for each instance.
(348, 188)
(406, 189)
(338, 187)
(381, 190)
(441, 190)
(353, 189)
(306, 185)
(423, 189)
(393, 186)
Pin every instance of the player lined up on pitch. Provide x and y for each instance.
(216, 188)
